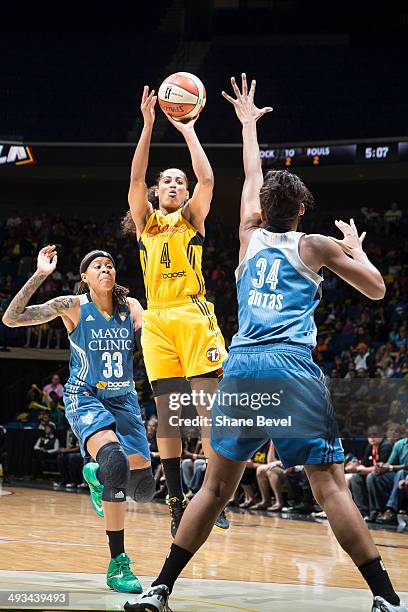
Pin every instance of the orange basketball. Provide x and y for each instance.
(182, 96)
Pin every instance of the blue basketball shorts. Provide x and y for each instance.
(88, 414)
(275, 392)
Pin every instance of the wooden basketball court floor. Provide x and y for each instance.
(54, 541)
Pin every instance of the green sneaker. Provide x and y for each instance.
(120, 578)
(95, 486)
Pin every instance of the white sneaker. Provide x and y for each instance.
(381, 605)
(154, 600)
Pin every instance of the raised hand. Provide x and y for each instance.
(244, 104)
(47, 260)
(351, 243)
(147, 106)
(183, 126)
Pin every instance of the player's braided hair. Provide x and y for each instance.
(119, 293)
(281, 195)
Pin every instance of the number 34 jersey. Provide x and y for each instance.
(170, 254)
(102, 351)
(277, 292)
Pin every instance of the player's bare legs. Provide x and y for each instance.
(108, 481)
(114, 512)
(114, 516)
(137, 462)
(333, 495)
(168, 438)
(209, 388)
(99, 439)
(170, 447)
(221, 480)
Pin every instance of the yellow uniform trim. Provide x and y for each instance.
(171, 255)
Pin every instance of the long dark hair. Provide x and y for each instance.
(119, 293)
(127, 225)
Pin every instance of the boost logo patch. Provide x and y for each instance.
(102, 384)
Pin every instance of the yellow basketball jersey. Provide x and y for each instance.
(171, 254)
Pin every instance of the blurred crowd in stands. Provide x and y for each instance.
(356, 336)
(362, 348)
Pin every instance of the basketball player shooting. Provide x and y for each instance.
(180, 335)
(276, 334)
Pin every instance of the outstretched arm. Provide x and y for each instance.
(140, 207)
(19, 314)
(248, 114)
(198, 206)
(346, 258)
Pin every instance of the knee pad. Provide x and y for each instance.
(113, 472)
(141, 486)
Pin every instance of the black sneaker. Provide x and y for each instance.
(154, 600)
(372, 517)
(222, 521)
(176, 507)
(388, 518)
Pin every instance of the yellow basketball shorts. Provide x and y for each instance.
(182, 340)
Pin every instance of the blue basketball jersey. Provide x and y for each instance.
(102, 350)
(277, 293)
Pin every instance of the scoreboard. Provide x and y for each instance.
(334, 154)
(14, 155)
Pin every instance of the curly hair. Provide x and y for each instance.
(127, 225)
(281, 195)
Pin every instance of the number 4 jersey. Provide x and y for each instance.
(102, 350)
(277, 292)
(170, 254)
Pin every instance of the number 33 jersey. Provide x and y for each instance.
(102, 350)
(277, 292)
(170, 255)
